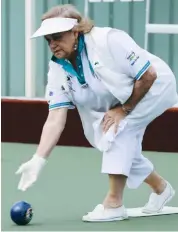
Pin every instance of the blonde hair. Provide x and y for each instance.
(69, 11)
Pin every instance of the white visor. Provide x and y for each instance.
(54, 25)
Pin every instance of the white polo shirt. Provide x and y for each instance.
(130, 60)
(127, 54)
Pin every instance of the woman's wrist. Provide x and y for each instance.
(127, 110)
(39, 157)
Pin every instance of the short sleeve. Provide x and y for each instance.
(131, 59)
(55, 89)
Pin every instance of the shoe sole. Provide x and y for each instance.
(166, 201)
(105, 220)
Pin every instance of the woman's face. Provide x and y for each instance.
(62, 44)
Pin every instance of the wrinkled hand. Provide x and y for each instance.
(113, 116)
(30, 171)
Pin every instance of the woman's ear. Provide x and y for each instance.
(76, 34)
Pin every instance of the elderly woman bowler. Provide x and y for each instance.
(118, 88)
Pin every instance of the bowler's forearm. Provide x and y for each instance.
(140, 89)
(52, 131)
(49, 138)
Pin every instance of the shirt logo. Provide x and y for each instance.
(62, 88)
(132, 57)
(71, 89)
(50, 93)
(69, 77)
(96, 63)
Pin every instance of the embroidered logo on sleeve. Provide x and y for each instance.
(51, 93)
(132, 58)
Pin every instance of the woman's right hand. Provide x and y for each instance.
(30, 171)
(51, 133)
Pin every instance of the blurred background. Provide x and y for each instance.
(25, 61)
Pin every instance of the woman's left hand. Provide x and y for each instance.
(113, 116)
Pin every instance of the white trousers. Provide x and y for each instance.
(125, 157)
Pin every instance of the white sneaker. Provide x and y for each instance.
(101, 214)
(157, 202)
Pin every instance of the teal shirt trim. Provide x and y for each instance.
(68, 67)
(142, 71)
(62, 104)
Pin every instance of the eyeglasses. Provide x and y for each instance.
(54, 37)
